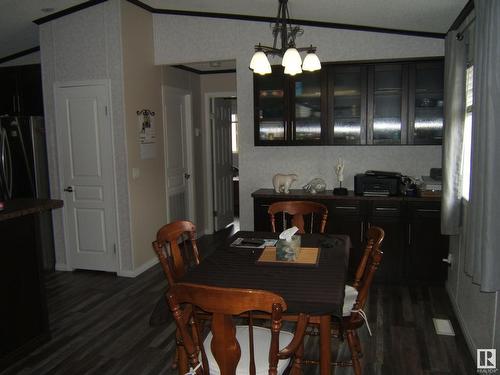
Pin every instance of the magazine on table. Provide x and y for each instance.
(253, 243)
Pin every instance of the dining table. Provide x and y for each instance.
(313, 289)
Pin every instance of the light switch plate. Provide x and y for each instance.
(135, 173)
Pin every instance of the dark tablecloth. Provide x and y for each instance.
(315, 290)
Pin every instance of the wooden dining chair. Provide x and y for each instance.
(353, 315)
(297, 210)
(176, 249)
(229, 349)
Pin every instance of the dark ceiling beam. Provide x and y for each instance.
(468, 8)
(197, 71)
(328, 25)
(67, 11)
(19, 54)
(242, 17)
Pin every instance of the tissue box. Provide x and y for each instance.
(288, 251)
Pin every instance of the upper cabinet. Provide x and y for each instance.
(21, 92)
(387, 97)
(347, 100)
(391, 103)
(288, 110)
(426, 103)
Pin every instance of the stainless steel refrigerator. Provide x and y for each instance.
(24, 171)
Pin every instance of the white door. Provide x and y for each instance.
(86, 159)
(222, 163)
(178, 153)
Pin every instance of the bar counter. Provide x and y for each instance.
(24, 316)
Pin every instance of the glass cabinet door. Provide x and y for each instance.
(426, 103)
(347, 105)
(386, 104)
(306, 123)
(270, 108)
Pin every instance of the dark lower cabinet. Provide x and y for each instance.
(426, 246)
(389, 215)
(24, 311)
(346, 216)
(413, 246)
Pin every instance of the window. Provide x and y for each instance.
(234, 133)
(467, 136)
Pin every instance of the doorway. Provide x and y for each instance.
(178, 154)
(221, 164)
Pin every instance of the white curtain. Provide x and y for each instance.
(454, 110)
(483, 221)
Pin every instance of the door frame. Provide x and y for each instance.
(188, 113)
(208, 145)
(97, 82)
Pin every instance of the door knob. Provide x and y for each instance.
(186, 176)
(69, 189)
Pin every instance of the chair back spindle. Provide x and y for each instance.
(176, 249)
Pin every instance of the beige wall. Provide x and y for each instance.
(142, 90)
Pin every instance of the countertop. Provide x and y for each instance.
(21, 207)
(328, 194)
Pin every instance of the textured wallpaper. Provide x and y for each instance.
(190, 39)
(83, 46)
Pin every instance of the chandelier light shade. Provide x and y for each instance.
(311, 62)
(291, 58)
(285, 33)
(260, 63)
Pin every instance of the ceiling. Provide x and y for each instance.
(18, 32)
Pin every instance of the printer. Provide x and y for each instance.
(378, 183)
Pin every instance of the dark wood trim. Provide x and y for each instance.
(67, 11)
(140, 4)
(328, 25)
(19, 54)
(242, 17)
(469, 7)
(220, 71)
(202, 72)
(385, 61)
(187, 69)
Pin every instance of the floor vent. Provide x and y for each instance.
(443, 327)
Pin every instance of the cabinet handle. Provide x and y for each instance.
(265, 205)
(361, 232)
(427, 210)
(386, 209)
(409, 234)
(346, 207)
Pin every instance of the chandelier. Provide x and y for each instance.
(284, 32)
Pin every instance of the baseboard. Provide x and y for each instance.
(63, 267)
(142, 268)
(468, 338)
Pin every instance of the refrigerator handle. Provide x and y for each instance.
(6, 163)
(8, 179)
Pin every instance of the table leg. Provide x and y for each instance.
(325, 344)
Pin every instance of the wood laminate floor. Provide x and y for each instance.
(100, 324)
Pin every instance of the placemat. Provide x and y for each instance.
(308, 257)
